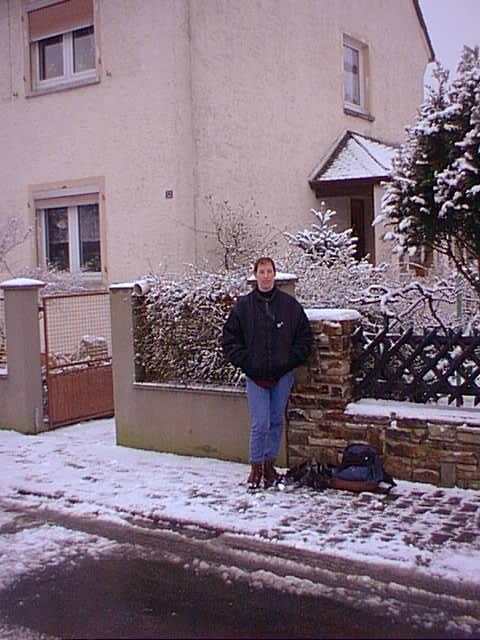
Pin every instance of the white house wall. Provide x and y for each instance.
(133, 128)
(234, 98)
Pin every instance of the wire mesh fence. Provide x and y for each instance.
(77, 329)
(77, 357)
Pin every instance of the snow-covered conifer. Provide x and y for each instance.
(433, 199)
(322, 243)
(325, 262)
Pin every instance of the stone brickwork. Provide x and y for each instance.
(421, 450)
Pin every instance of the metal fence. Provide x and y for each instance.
(77, 356)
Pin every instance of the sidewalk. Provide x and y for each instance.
(419, 544)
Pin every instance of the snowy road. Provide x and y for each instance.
(139, 580)
(413, 556)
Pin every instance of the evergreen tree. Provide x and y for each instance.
(433, 200)
(322, 243)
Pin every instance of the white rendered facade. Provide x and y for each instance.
(185, 98)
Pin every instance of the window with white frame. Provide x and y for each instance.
(62, 43)
(354, 74)
(69, 233)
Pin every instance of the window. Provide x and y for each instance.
(72, 238)
(354, 75)
(68, 230)
(62, 44)
(351, 61)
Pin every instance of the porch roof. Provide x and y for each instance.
(354, 158)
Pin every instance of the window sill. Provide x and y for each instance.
(358, 114)
(64, 86)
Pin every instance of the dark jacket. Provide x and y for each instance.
(267, 336)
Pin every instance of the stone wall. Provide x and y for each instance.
(322, 419)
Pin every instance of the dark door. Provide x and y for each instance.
(358, 224)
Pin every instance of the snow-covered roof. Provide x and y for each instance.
(355, 157)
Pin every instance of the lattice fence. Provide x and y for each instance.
(419, 368)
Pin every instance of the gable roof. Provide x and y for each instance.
(425, 30)
(355, 157)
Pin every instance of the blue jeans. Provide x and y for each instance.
(267, 410)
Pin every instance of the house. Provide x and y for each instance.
(119, 117)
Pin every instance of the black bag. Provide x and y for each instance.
(310, 474)
(361, 470)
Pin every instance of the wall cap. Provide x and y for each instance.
(179, 387)
(335, 315)
(21, 283)
(411, 410)
(279, 277)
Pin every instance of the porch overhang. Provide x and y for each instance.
(353, 166)
(354, 187)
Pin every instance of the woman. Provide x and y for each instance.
(266, 335)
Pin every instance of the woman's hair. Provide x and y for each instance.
(263, 260)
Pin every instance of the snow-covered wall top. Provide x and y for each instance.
(279, 277)
(403, 409)
(333, 315)
(21, 282)
(122, 285)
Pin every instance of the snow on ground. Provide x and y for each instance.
(39, 547)
(81, 470)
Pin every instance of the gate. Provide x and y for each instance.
(77, 357)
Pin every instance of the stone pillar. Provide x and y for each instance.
(323, 386)
(21, 397)
(123, 352)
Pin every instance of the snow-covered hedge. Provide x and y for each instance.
(179, 321)
(179, 327)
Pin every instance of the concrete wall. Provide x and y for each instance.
(198, 421)
(21, 403)
(234, 98)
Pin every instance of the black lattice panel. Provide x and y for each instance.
(417, 367)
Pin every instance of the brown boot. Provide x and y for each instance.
(255, 477)
(271, 475)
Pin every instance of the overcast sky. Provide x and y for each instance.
(451, 24)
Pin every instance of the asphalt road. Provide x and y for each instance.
(172, 581)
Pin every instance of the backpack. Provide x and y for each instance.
(361, 470)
